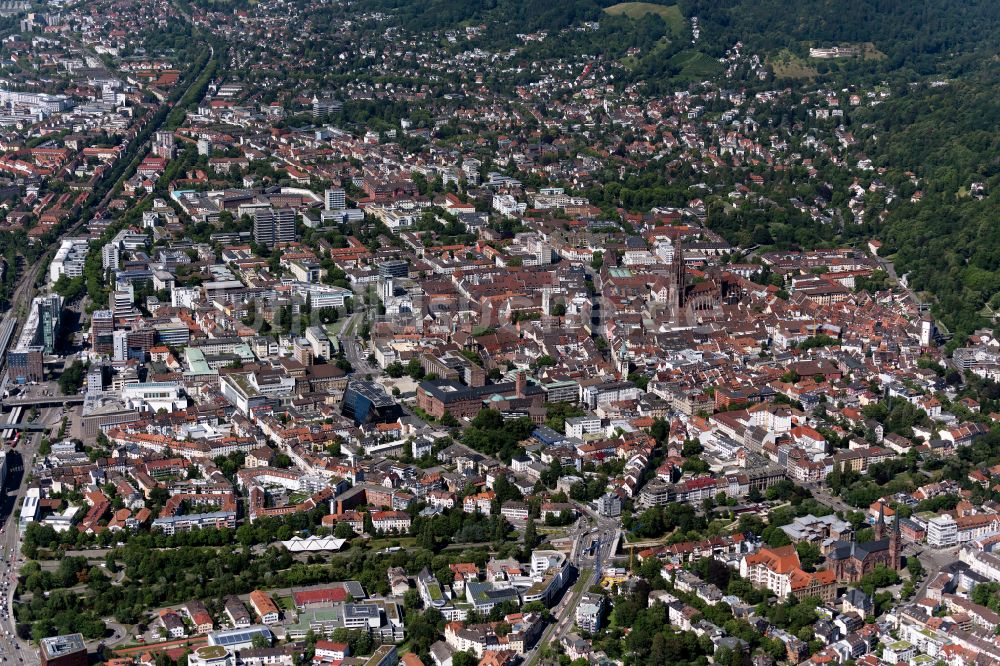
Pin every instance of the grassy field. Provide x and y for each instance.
(697, 65)
(671, 14)
(691, 65)
(869, 52)
(334, 328)
(391, 542)
(787, 65)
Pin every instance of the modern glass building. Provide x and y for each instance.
(367, 402)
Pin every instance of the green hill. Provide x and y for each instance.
(671, 14)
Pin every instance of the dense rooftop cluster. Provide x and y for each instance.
(340, 334)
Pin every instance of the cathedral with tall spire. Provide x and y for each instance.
(686, 302)
(851, 560)
(677, 283)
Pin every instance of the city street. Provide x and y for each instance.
(590, 528)
(20, 460)
(824, 496)
(354, 352)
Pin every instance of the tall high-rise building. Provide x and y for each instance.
(49, 317)
(393, 268)
(272, 226)
(387, 289)
(110, 255)
(325, 105)
(120, 302)
(68, 650)
(163, 145)
(284, 225)
(335, 199)
(38, 338)
(119, 345)
(263, 226)
(102, 328)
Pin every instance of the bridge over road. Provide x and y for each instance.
(43, 401)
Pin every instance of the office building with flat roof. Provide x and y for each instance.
(29, 508)
(335, 199)
(68, 650)
(273, 226)
(102, 328)
(70, 259)
(393, 268)
(367, 402)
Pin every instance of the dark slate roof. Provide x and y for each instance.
(843, 550)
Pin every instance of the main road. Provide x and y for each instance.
(19, 463)
(353, 351)
(825, 496)
(607, 531)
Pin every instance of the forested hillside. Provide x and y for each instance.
(909, 32)
(504, 16)
(949, 242)
(920, 37)
(913, 32)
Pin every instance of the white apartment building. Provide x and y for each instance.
(980, 562)
(588, 612)
(335, 199)
(508, 206)
(578, 426)
(761, 575)
(942, 531)
(69, 259)
(110, 256)
(154, 396)
(319, 341)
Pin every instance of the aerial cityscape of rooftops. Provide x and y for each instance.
(499, 333)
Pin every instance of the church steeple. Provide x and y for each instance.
(880, 523)
(677, 279)
(895, 546)
(680, 273)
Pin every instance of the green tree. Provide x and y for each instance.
(530, 535)
(71, 380)
(464, 659)
(597, 260)
(414, 368)
(809, 555)
(343, 530)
